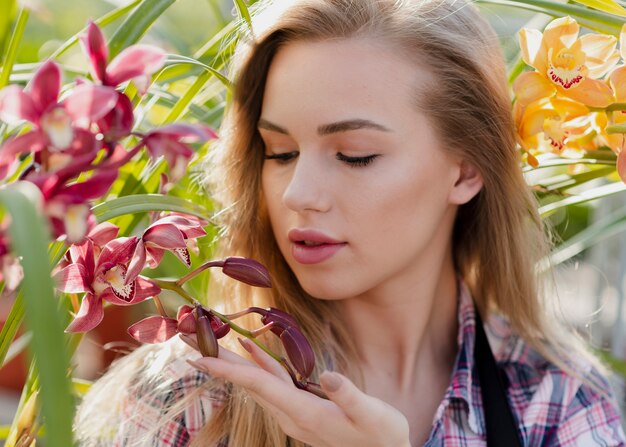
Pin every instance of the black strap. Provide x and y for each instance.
(500, 422)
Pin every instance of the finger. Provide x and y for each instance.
(264, 360)
(358, 406)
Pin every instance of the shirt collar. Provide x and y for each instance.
(464, 375)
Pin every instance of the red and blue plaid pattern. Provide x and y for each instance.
(552, 408)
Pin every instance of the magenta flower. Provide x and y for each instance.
(157, 329)
(58, 127)
(174, 233)
(101, 279)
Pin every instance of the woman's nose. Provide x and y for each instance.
(308, 189)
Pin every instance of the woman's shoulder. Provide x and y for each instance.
(572, 403)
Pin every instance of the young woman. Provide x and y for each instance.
(368, 159)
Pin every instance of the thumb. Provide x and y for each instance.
(358, 406)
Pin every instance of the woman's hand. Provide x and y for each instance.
(349, 418)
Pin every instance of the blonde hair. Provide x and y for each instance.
(498, 236)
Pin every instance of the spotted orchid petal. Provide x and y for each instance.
(154, 329)
(73, 279)
(16, 105)
(532, 86)
(142, 289)
(134, 61)
(45, 86)
(247, 271)
(168, 237)
(592, 93)
(95, 46)
(115, 277)
(89, 103)
(89, 315)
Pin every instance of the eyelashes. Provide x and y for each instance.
(286, 157)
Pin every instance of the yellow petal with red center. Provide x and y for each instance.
(621, 165)
(532, 86)
(592, 93)
(533, 52)
(554, 131)
(617, 80)
(566, 66)
(562, 32)
(601, 53)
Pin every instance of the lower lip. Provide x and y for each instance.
(314, 254)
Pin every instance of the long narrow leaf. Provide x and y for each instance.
(142, 203)
(8, 8)
(29, 238)
(609, 6)
(242, 9)
(14, 42)
(592, 194)
(12, 323)
(136, 24)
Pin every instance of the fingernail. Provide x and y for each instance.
(330, 381)
(198, 365)
(245, 343)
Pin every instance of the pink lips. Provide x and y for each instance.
(313, 254)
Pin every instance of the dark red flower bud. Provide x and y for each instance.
(247, 270)
(281, 319)
(219, 327)
(207, 342)
(298, 350)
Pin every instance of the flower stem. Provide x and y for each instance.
(199, 270)
(159, 306)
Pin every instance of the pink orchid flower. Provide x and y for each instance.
(58, 127)
(102, 278)
(157, 329)
(175, 233)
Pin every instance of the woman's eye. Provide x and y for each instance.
(284, 157)
(356, 161)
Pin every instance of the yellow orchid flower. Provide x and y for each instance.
(571, 65)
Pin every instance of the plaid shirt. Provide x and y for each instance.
(552, 408)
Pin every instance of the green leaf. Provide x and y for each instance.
(101, 22)
(609, 6)
(242, 9)
(136, 24)
(617, 365)
(12, 323)
(29, 238)
(141, 203)
(14, 43)
(586, 196)
(8, 8)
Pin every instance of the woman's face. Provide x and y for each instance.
(359, 191)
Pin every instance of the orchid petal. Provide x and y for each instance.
(95, 46)
(89, 315)
(84, 142)
(163, 145)
(116, 278)
(185, 132)
(601, 54)
(592, 93)
(145, 289)
(45, 86)
(95, 187)
(617, 80)
(88, 103)
(561, 32)
(134, 61)
(57, 124)
(247, 271)
(532, 86)
(186, 320)
(33, 141)
(84, 254)
(154, 256)
(298, 351)
(118, 123)
(533, 52)
(621, 165)
(118, 251)
(155, 329)
(103, 233)
(165, 235)
(190, 226)
(142, 82)
(137, 262)
(16, 105)
(622, 41)
(75, 221)
(73, 279)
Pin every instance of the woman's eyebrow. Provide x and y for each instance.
(327, 129)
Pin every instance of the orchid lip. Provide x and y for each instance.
(308, 237)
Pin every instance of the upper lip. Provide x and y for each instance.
(299, 235)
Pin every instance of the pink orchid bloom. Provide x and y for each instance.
(174, 233)
(136, 63)
(68, 205)
(58, 127)
(157, 329)
(102, 278)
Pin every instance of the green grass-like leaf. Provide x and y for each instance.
(136, 24)
(609, 6)
(593, 194)
(141, 203)
(14, 42)
(12, 323)
(29, 237)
